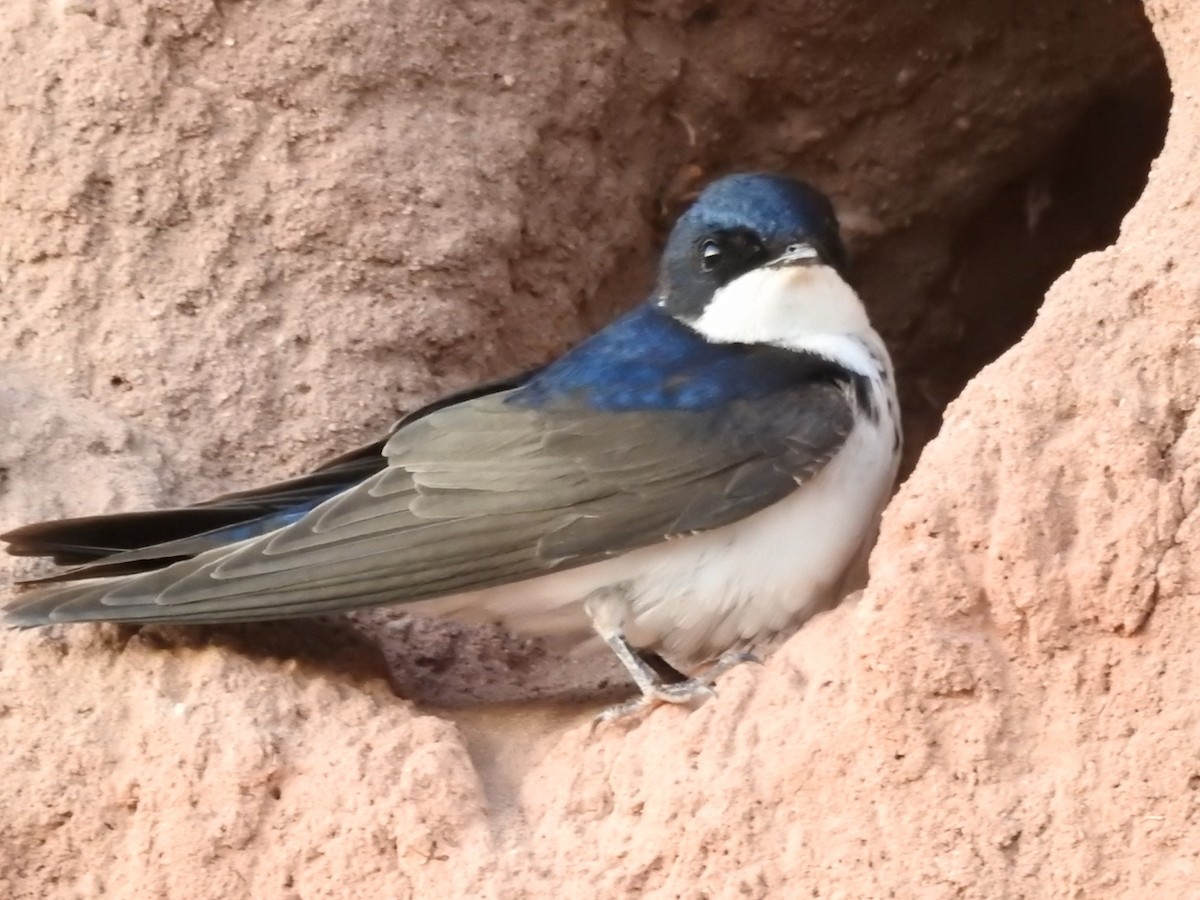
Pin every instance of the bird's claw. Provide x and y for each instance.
(691, 691)
(696, 689)
(656, 687)
(730, 660)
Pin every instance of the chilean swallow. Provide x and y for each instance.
(706, 471)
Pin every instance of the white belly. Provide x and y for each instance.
(694, 597)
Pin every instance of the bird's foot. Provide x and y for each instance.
(658, 680)
(693, 690)
(729, 660)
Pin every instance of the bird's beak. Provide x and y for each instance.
(796, 255)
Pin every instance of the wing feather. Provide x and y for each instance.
(487, 492)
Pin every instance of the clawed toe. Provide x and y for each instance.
(694, 690)
(731, 660)
(686, 691)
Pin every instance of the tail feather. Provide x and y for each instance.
(70, 542)
(150, 539)
(133, 542)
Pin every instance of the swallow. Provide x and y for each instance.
(703, 473)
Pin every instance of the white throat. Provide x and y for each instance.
(796, 307)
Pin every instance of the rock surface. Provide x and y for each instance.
(239, 237)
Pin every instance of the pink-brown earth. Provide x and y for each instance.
(236, 238)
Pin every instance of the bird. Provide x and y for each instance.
(703, 473)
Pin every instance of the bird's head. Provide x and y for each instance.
(758, 259)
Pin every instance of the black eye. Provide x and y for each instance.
(724, 255)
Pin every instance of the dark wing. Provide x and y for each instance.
(121, 543)
(485, 493)
(101, 538)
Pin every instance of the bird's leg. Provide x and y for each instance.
(607, 609)
(666, 672)
(727, 661)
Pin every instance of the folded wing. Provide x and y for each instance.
(486, 492)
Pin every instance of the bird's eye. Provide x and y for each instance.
(710, 253)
